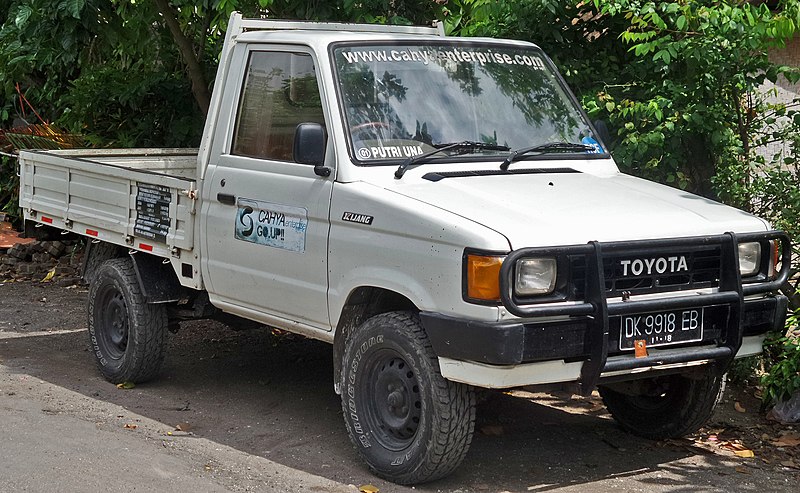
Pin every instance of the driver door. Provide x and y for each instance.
(267, 216)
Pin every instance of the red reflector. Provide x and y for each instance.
(47, 220)
(91, 232)
(146, 247)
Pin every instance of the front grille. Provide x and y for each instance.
(651, 271)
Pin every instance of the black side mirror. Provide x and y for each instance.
(310, 140)
(602, 131)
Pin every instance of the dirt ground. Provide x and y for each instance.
(271, 396)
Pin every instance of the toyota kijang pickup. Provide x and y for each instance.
(442, 212)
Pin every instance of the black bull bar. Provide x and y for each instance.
(596, 308)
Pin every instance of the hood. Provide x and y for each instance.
(546, 209)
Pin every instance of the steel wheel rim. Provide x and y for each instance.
(113, 323)
(394, 408)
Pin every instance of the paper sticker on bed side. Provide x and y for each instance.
(272, 225)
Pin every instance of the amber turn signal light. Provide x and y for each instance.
(483, 277)
(776, 257)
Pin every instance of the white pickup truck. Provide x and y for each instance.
(442, 212)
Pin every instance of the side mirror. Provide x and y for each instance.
(309, 147)
(602, 131)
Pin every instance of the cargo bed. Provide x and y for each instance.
(143, 199)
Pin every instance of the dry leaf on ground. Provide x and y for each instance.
(790, 439)
(49, 275)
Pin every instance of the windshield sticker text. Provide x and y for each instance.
(388, 152)
(453, 55)
(272, 225)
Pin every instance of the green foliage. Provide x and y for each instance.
(743, 371)
(692, 110)
(369, 11)
(782, 353)
(157, 99)
(9, 187)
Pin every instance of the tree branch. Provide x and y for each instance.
(196, 75)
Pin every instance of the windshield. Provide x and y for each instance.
(400, 101)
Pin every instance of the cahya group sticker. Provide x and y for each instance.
(271, 225)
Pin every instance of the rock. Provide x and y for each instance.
(19, 252)
(65, 271)
(41, 257)
(26, 269)
(55, 248)
(68, 281)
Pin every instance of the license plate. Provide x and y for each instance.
(661, 328)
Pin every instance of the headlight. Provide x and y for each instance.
(535, 276)
(749, 258)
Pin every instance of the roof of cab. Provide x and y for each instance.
(322, 39)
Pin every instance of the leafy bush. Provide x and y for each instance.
(9, 187)
(141, 107)
(782, 354)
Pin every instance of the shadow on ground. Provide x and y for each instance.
(273, 396)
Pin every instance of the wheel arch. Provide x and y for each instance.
(95, 254)
(362, 303)
(157, 280)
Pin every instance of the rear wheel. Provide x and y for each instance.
(663, 407)
(127, 335)
(407, 422)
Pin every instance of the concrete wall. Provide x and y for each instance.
(784, 91)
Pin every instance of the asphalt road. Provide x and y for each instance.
(258, 413)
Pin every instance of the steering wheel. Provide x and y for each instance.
(368, 125)
(371, 131)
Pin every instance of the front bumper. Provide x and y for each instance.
(520, 342)
(560, 371)
(586, 332)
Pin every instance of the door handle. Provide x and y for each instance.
(226, 199)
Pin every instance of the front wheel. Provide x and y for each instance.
(127, 335)
(664, 407)
(407, 422)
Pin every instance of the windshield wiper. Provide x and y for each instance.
(545, 149)
(465, 147)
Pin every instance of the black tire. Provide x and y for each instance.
(408, 423)
(670, 406)
(126, 334)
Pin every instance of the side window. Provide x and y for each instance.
(280, 92)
